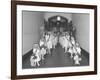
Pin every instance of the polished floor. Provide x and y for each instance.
(57, 59)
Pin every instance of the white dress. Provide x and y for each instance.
(43, 52)
(35, 61)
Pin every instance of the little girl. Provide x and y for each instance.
(35, 58)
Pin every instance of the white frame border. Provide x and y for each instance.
(21, 71)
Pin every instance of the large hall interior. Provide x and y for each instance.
(54, 39)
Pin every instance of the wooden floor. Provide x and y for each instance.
(57, 59)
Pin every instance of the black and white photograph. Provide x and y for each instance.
(52, 39)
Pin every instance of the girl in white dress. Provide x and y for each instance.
(35, 58)
(49, 43)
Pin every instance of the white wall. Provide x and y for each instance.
(50, 14)
(81, 22)
(31, 25)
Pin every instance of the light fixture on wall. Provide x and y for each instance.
(58, 18)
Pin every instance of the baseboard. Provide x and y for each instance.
(85, 53)
(24, 57)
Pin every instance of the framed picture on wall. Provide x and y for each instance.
(53, 39)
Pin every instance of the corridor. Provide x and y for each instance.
(57, 59)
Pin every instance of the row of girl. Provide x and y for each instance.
(49, 40)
